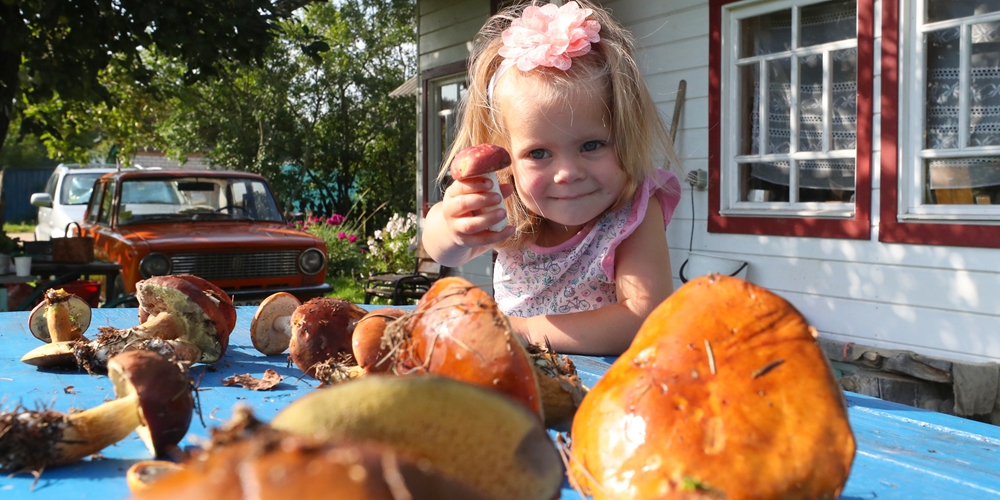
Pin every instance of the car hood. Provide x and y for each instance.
(224, 236)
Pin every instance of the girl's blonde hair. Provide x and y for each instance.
(638, 131)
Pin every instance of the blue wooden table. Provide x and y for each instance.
(903, 452)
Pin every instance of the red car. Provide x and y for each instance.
(223, 226)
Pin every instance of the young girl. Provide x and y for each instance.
(584, 258)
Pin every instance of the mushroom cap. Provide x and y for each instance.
(733, 369)
(143, 474)
(266, 338)
(321, 330)
(206, 317)
(478, 160)
(468, 432)
(164, 391)
(367, 342)
(457, 330)
(304, 469)
(79, 311)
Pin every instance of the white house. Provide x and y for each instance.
(852, 152)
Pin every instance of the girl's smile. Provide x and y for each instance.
(565, 166)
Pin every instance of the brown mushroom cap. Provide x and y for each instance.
(270, 329)
(164, 391)
(143, 474)
(478, 160)
(79, 311)
(204, 319)
(225, 303)
(367, 342)
(321, 331)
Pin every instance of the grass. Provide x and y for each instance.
(19, 227)
(347, 288)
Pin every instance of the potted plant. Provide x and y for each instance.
(8, 247)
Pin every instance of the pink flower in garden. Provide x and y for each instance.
(352, 238)
(364, 250)
(341, 236)
(335, 219)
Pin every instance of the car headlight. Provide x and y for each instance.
(312, 261)
(155, 264)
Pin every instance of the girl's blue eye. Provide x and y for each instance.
(538, 154)
(591, 146)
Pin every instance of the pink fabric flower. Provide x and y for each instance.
(549, 36)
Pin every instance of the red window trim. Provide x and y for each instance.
(859, 227)
(890, 229)
(425, 78)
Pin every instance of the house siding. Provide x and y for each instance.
(939, 301)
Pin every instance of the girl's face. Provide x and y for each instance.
(564, 163)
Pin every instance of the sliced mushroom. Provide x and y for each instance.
(271, 328)
(61, 316)
(481, 160)
(33, 440)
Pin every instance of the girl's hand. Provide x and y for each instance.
(469, 209)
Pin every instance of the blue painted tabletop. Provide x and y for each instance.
(903, 452)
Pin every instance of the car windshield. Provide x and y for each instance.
(195, 199)
(76, 188)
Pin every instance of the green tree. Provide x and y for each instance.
(53, 53)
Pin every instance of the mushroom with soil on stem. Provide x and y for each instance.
(187, 320)
(482, 160)
(271, 328)
(322, 330)
(59, 317)
(153, 394)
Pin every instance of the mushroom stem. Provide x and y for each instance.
(58, 318)
(162, 325)
(496, 189)
(93, 355)
(92, 430)
(34, 440)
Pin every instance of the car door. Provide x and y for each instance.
(43, 231)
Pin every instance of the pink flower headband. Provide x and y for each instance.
(548, 36)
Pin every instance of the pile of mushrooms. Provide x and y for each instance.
(182, 317)
(153, 398)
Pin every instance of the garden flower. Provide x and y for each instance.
(341, 236)
(352, 238)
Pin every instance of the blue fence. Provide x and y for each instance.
(18, 186)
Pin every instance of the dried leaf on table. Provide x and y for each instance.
(270, 379)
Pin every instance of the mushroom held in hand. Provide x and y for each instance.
(724, 389)
(467, 432)
(482, 160)
(321, 331)
(34, 440)
(271, 328)
(60, 317)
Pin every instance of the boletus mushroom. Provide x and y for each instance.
(457, 331)
(271, 328)
(372, 350)
(144, 473)
(482, 160)
(321, 332)
(724, 392)
(469, 433)
(150, 391)
(59, 317)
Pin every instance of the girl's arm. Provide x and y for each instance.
(643, 279)
(456, 229)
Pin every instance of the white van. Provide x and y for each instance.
(65, 198)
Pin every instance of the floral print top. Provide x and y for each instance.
(579, 274)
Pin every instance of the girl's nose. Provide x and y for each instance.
(568, 171)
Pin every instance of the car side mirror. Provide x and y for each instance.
(41, 200)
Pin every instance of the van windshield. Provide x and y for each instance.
(76, 188)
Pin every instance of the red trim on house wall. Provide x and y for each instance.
(425, 78)
(859, 227)
(891, 230)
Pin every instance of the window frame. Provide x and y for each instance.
(854, 224)
(901, 218)
(430, 157)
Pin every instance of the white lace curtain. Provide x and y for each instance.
(819, 24)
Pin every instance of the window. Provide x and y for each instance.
(945, 188)
(790, 106)
(443, 96)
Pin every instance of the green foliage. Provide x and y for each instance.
(391, 250)
(347, 288)
(10, 246)
(19, 227)
(345, 255)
